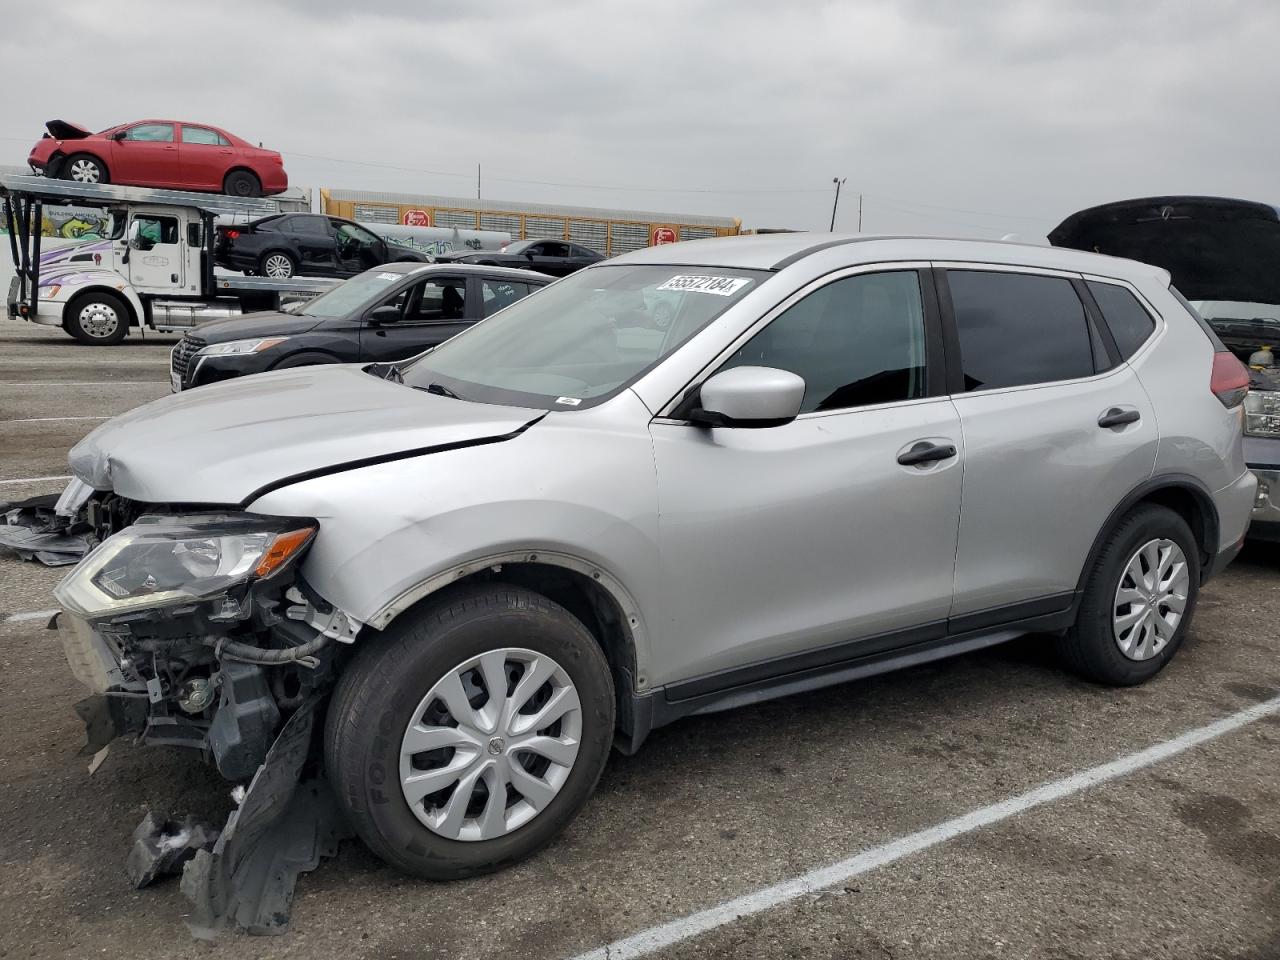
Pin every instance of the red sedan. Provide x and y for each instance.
(159, 153)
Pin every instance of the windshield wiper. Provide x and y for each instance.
(440, 390)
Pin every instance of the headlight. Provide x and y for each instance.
(1262, 413)
(161, 561)
(232, 347)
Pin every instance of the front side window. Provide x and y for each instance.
(584, 338)
(350, 234)
(855, 342)
(1018, 328)
(203, 136)
(442, 299)
(153, 230)
(1128, 320)
(150, 133)
(501, 293)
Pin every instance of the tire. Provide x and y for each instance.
(388, 682)
(98, 319)
(84, 168)
(242, 183)
(277, 265)
(1093, 647)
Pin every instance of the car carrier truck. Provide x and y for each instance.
(155, 270)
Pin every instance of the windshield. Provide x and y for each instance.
(581, 339)
(518, 247)
(352, 294)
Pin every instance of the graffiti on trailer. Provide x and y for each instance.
(70, 223)
(433, 248)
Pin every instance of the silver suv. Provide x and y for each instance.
(579, 520)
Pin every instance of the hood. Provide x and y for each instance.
(269, 323)
(63, 130)
(1214, 248)
(222, 444)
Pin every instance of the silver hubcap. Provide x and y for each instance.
(85, 171)
(1151, 599)
(279, 267)
(491, 744)
(99, 320)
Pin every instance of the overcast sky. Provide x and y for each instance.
(979, 118)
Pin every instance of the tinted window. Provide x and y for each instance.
(309, 226)
(203, 135)
(500, 293)
(1130, 324)
(550, 249)
(856, 341)
(151, 132)
(1018, 328)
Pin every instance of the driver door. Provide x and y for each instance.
(146, 155)
(156, 261)
(430, 312)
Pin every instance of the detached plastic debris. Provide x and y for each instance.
(34, 530)
(162, 846)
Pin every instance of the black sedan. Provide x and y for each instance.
(386, 314)
(305, 244)
(554, 257)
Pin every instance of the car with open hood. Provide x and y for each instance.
(1222, 254)
(474, 573)
(173, 154)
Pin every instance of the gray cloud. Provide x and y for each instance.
(979, 118)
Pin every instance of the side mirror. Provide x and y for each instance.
(119, 134)
(749, 397)
(387, 313)
(528, 254)
(136, 240)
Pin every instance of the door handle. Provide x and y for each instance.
(1117, 417)
(926, 452)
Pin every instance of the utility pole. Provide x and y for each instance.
(477, 181)
(837, 181)
(859, 213)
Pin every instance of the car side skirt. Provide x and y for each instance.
(840, 663)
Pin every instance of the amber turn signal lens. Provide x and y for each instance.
(283, 547)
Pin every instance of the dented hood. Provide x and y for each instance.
(1214, 248)
(63, 130)
(221, 444)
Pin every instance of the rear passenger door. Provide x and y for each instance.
(313, 239)
(1057, 431)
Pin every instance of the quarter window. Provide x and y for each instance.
(855, 342)
(151, 133)
(309, 226)
(1018, 328)
(1128, 320)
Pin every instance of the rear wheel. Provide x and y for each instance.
(1138, 601)
(98, 319)
(242, 183)
(83, 168)
(277, 265)
(467, 736)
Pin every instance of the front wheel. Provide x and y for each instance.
(83, 168)
(1138, 600)
(98, 319)
(467, 736)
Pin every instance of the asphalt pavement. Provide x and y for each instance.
(849, 823)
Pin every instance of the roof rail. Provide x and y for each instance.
(109, 194)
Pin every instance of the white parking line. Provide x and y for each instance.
(77, 383)
(29, 615)
(34, 479)
(704, 921)
(51, 419)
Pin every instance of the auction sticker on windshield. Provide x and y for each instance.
(720, 286)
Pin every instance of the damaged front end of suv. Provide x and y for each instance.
(192, 628)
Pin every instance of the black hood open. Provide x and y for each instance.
(62, 130)
(1214, 248)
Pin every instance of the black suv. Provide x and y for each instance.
(390, 313)
(305, 244)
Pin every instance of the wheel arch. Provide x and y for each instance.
(97, 158)
(1185, 496)
(585, 589)
(131, 301)
(241, 168)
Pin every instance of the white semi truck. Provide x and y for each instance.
(155, 270)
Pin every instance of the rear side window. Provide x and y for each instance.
(1129, 321)
(501, 293)
(309, 226)
(1018, 329)
(203, 135)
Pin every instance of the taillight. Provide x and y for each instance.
(231, 234)
(1229, 380)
